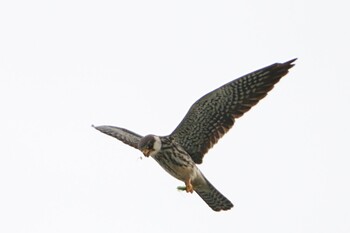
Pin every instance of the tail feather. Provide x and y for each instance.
(213, 197)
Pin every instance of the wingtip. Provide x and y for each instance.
(290, 62)
(96, 127)
(287, 65)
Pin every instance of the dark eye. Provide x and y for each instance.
(150, 146)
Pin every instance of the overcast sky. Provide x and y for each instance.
(65, 65)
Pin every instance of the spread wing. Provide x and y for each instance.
(124, 135)
(210, 117)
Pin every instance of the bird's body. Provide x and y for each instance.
(178, 163)
(206, 122)
(175, 160)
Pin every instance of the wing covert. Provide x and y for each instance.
(210, 117)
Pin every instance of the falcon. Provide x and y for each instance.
(208, 119)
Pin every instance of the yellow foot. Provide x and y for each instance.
(189, 187)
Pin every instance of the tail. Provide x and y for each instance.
(213, 197)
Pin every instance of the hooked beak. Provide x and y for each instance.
(146, 152)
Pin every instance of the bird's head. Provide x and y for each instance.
(150, 145)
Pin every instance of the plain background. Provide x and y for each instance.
(65, 65)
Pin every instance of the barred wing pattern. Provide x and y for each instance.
(210, 117)
(124, 135)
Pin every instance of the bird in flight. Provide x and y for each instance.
(208, 119)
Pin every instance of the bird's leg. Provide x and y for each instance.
(188, 184)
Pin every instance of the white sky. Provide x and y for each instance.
(65, 65)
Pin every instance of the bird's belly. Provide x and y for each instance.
(180, 173)
(182, 170)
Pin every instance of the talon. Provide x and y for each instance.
(189, 187)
